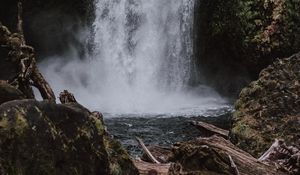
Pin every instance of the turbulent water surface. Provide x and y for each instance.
(142, 63)
(160, 130)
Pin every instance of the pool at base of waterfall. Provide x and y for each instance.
(162, 130)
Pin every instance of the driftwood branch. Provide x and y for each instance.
(233, 166)
(146, 168)
(286, 158)
(42, 85)
(146, 150)
(267, 154)
(162, 154)
(210, 129)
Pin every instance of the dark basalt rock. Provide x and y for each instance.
(269, 108)
(48, 138)
(8, 70)
(51, 27)
(9, 93)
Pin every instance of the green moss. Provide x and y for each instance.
(21, 124)
(4, 122)
(120, 161)
(84, 132)
(99, 125)
(241, 128)
(115, 169)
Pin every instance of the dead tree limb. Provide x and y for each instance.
(23, 56)
(146, 150)
(162, 154)
(146, 168)
(286, 158)
(42, 85)
(210, 129)
(267, 154)
(233, 165)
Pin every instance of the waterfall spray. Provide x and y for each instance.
(142, 61)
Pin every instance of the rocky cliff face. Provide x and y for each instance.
(52, 27)
(235, 40)
(269, 108)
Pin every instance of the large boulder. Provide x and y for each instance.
(8, 70)
(269, 108)
(48, 138)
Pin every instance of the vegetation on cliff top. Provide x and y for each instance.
(235, 40)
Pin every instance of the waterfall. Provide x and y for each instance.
(145, 44)
(142, 60)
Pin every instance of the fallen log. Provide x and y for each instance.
(162, 154)
(146, 168)
(146, 151)
(210, 156)
(233, 166)
(209, 129)
(216, 155)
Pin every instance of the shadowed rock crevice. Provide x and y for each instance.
(52, 27)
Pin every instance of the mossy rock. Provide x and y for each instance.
(269, 108)
(46, 138)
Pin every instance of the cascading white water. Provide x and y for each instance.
(142, 61)
(145, 44)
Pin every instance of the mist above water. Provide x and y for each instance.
(142, 61)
